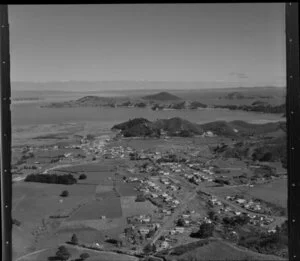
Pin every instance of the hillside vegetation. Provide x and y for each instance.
(179, 127)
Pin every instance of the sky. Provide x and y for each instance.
(222, 43)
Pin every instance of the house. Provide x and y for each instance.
(172, 187)
(164, 245)
(146, 219)
(240, 201)
(172, 232)
(165, 195)
(272, 231)
(186, 222)
(168, 213)
(179, 229)
(144, 230)
(186, 215)
(156, 225)
(168, 199)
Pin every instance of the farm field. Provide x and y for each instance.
(97, 208)
(43, 200)
(126, 190)
(274, 192)
(131, 208)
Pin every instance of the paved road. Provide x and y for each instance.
(30, 254)
(170, 222)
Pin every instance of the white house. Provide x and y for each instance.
(179, 229)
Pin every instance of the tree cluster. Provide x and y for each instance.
(206, 230)
(66, 179)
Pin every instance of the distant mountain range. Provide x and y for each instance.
(162, 96)
(241, 96)
(165, 100)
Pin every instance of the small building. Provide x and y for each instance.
(146, 219)
(179, 229)
(240, 201)
(144, 230)
(172, 232)
(164, 245)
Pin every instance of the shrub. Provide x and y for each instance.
(113, 241)
(62, 253)
(74, 239)
(140, 198)
(212, 215)
(82, 176)
(149, 248)
(84, 256)
(65, 193)
(236, 220)
(16, 222)
(90, 137)
(180, 222)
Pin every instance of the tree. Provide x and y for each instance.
(82, 176)
(16, 222)
(149, 248)
(65, 193)
(74, 239)
(140, 198)
(90, 137)
(84, 256)
(205, 231)
(62, 253)
(180, 222)
(212, 215)
(151, 233)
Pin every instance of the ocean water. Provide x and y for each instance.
(32, 114)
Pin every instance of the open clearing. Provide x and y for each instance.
(43, 200)
(130, 207)
(274, 192)
(76, 252)
(95, 209)
(112, 257)
(219, 250)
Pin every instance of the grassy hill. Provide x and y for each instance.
(179, 127)
(220, 250)
(177, 124)
(142, 127)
